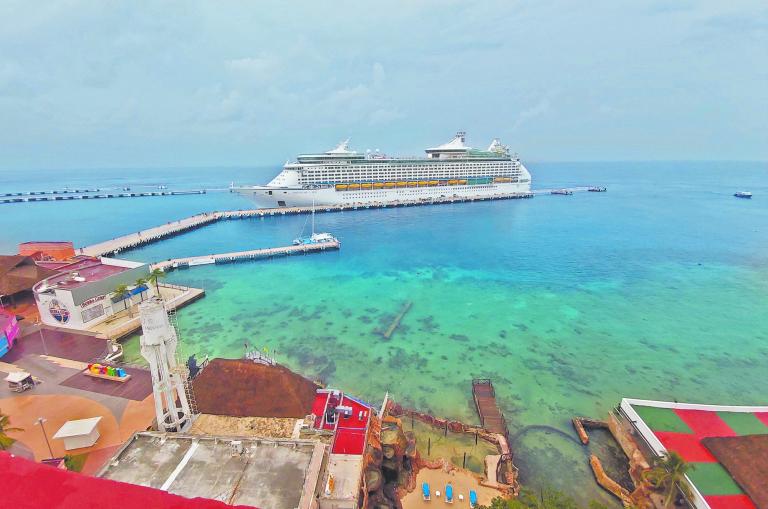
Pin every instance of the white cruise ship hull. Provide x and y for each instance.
(274, 197)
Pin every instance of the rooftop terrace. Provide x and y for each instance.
(267, 473)
(695, 432)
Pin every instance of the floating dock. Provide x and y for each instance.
(240, 256)
(133, 240)
(491, 417)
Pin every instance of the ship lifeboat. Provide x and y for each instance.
(462, 182)
(502, 180)
(453, 182)
(341, 187)
(433, 182)
(389, 185)
(366, 186)
(423, 183)
(378, 185)
(413, 184)
(354, 187)
(402, 184)
(442, 183)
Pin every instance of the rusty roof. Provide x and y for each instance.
(19, 273)
(242, 388)
(746, 460)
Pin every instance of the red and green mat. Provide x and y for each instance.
(682, 430)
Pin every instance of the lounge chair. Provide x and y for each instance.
(425, 491)
(449, 493)
(472, 498)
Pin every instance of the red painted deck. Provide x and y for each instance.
(350, 432)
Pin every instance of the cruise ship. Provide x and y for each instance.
(345, 176)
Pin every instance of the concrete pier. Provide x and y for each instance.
(72, 195)
(239, 256)
(132, 240)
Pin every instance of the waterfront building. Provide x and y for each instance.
(343, 175)
(726, 445)
(81, 293)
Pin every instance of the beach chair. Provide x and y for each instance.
(425, 491)
(449, 493)
(472, 498)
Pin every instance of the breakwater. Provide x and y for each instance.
(70, 195)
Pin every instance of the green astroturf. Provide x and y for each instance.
(713, 479)
(744, 423)
(662, 419)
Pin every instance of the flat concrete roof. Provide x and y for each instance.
(269, 473)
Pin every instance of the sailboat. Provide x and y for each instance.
(315, 238)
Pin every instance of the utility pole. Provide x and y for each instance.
(40, 421)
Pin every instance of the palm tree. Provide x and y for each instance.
(667, 474)
(140, 282)
(5, 427)
(121, 291)
(154, 278)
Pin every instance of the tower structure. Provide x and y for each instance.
(158, 347)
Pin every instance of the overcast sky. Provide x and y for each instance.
(111, 84)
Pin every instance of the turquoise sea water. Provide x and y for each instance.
(656, 289)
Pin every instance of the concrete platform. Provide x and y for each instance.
(274, 474)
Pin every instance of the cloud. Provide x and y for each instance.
(384, 116)
(260, 68)
(537, 110)
(378, 74)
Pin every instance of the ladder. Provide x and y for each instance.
(181, 365)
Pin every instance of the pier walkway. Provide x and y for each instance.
(491, 417)
(72, 195)
(154, 234)
(237, 256)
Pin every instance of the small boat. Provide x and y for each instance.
(597, 189)
(743, 194)
(564, 192)
(314, 238)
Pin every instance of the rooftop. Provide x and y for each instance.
(346, 416)
(746, 459)
(689, 429)
(268, 473)
(19, 273)
(85, 270)
(242, 388)
(30, 484)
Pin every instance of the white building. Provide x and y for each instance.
(82, 294)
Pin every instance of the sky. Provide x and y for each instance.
(152, 84)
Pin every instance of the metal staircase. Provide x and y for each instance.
(181, 365)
